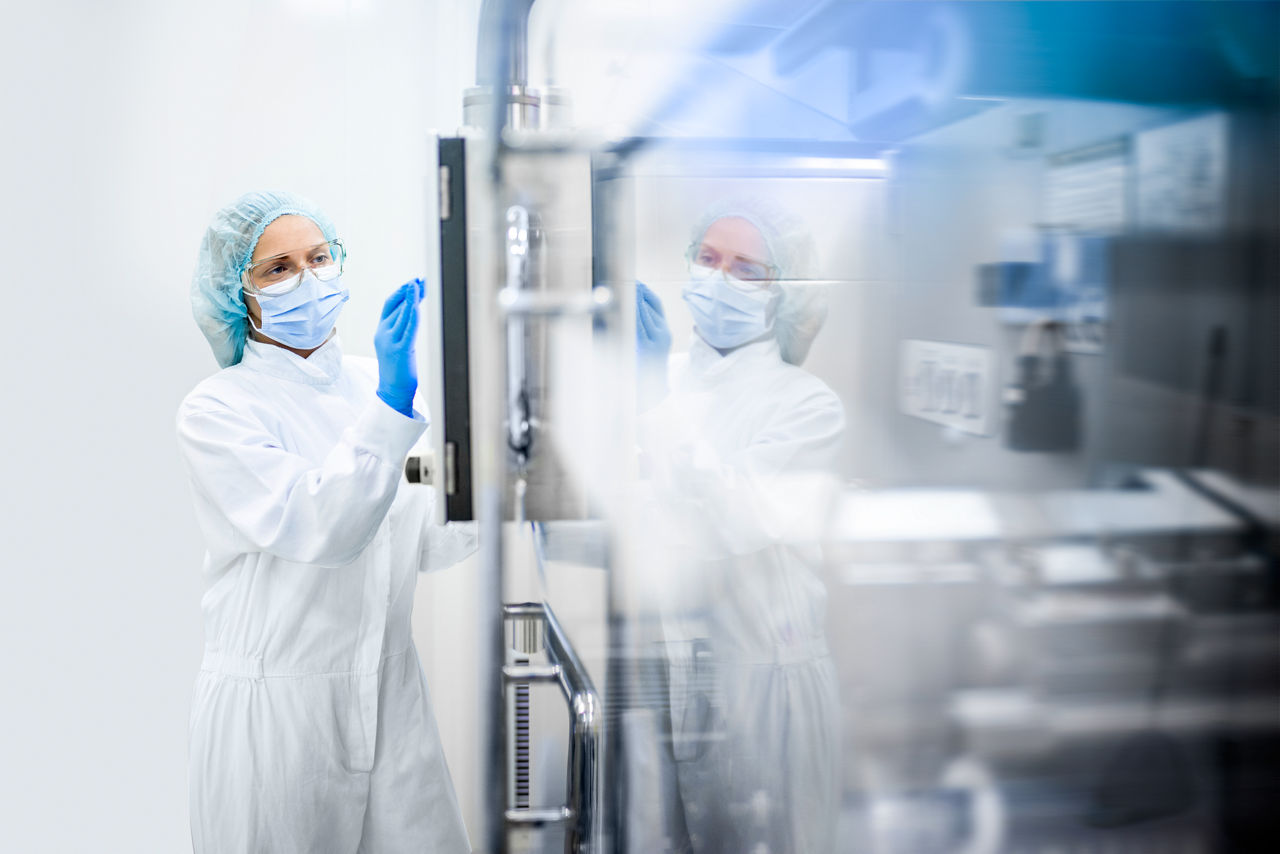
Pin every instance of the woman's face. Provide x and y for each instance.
(737, 247)
(291, 236)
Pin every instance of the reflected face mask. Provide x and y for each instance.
(303, 317)
(729, 312)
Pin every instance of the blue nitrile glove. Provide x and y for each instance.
(397, 330)
(653, 346)
(653, 339)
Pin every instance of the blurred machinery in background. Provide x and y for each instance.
(1054, 631)
(1093, 669)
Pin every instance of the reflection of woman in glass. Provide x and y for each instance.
(755, 714)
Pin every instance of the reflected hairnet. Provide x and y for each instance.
(803, 307)
(216, 299)
(801, 313)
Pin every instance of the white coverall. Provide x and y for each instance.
(754, 705)
(311, 724)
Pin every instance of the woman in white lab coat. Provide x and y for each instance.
(753, 699)
(311, 723)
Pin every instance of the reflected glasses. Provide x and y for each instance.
(282, 273)
(740, 268)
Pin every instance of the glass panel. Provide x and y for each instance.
(960, 535)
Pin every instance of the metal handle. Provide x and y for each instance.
(580, 813)
(519, 427)
(516, 302)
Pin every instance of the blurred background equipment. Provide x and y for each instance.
(1048, 543)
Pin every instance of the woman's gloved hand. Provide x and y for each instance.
(653, 338)
(394, 340)
(653, 346)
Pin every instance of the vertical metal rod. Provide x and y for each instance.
(519, 429)
(585, 734)
(502, 53)
(492, 695)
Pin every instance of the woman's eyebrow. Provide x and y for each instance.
(707, 247)
(291, 252)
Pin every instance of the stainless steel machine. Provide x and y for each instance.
(1047, 543)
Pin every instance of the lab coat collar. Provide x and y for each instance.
(323, 367)
(705, 361)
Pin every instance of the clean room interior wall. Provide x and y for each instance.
(125, 126)
(955, 197)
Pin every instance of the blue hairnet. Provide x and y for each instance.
(216, 299)
(803, 307)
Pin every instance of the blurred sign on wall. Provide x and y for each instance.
(1182, 175)
(949, 384)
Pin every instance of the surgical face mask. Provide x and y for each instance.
(303, 317)
(729, 312)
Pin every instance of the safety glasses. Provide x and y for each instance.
(746, 269)
(283, 273)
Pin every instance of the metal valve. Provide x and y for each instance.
(420, 468)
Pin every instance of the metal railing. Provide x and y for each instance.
(580, 813)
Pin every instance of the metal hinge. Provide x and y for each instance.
(450, 468)
(445, 211)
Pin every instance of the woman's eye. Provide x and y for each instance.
(707, 259)
(321, 259)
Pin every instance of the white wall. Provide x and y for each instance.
(124, 126)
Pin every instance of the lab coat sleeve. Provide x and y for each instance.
(739, 499)
(263, 498)
(803, 438)
(446, 545)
